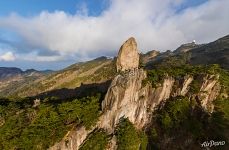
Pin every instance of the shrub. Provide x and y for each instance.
(128, 138)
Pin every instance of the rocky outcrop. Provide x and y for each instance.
(183, 86)
(73, 139)
(36, 102)
(128, 97)
(125, 98)
(209, 91)
(128, 57)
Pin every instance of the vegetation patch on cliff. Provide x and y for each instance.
(157, 75)
(97, 140)
(185, 123)
(129, 138)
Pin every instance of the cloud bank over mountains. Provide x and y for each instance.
(56, 36)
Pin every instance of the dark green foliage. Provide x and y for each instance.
(174, 61)
(174, 113)
(89, 111)
(220, 117)
(96, 141)
(144, 141)
(180, 119)
(128, 138)
(26, 127)
(195, 86)
(44, 131)
(224, 79)
(11, 130)
(85, 111)
(156, 76)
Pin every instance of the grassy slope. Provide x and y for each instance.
(94, 71)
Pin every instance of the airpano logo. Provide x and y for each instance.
(213, 143)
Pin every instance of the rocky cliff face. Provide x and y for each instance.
(125, 98)
(73, 139)
(209, 90)
(128, 97)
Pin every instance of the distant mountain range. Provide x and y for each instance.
(7, 72)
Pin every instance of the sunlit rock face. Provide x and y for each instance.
(125, 98)
(209, 91)
(128, 57)
(73, 139)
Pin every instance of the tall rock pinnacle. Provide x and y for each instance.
(128, 57)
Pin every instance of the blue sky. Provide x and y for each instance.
(33, 7)
(53, 34)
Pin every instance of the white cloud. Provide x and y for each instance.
(155, 24)
(8, 56)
